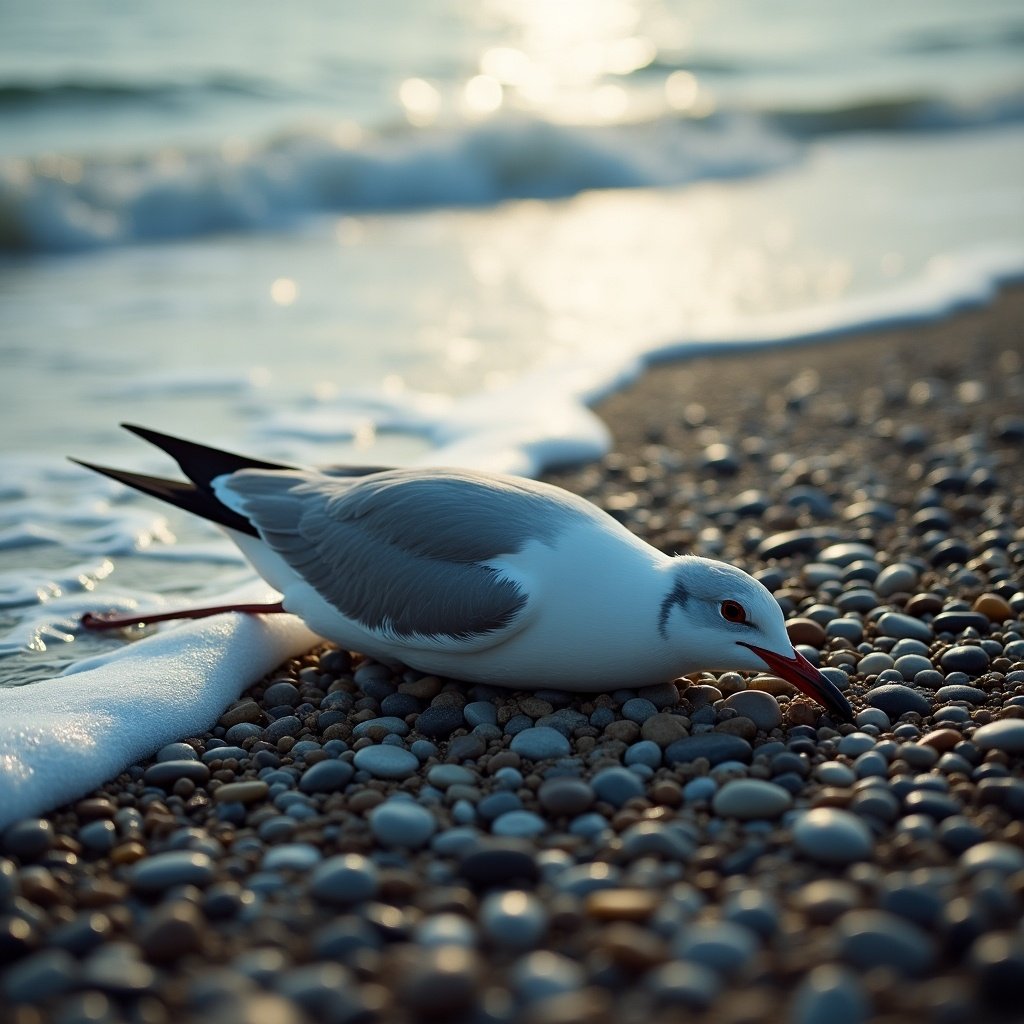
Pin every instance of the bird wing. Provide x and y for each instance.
(410, 555)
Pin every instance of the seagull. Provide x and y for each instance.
(477, 576)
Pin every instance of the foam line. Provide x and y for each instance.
(62, 737)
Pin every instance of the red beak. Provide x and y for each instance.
(807, 679)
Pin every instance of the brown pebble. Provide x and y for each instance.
(664, 729)
(739, 726)
(622, 904)
(425, 688)
(364, 800)
(127, 853)
(667, 792)
(633, 948)
(246, 792)
(95, 808)
(172, 931)
(801, 712)
(246, 711)
(994, 607)
(941, 739)
(535, 707)
(806, 631)
(623, 730)
(100, 892)
(924, 604)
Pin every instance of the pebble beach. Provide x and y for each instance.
(347, 845)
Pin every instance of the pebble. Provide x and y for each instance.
(439, 721)
(1006, 735)
(540, 743)
(969, 659)
(896, 700)
(326, 777)
(832, 836)
(875, 938)
(514, 920)
(519, 825)
(344, 880)
(720, 945)
(161, 871)
(384, 761)
(616, 785)
(28, 838)
(830, 994)
(751, 798)
(242, 792)
(402, 823)
(566, 796)
(894, 624)
(761, 708)
(715, 747)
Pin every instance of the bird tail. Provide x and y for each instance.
(201, 464)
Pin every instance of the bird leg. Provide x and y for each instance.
(96, 622)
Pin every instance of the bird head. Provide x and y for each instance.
(722, 618)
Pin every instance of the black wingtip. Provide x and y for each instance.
(199, 462)
(180, 493)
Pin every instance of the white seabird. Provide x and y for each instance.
(478, 576)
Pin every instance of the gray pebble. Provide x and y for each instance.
(565, 796)
(1003, 858)
(445, 775)
(970, 659)
(761, 708)
(519, 825)
(480, 712)
(389, 725)
(751, 799)
(343, 880)
(166, 870)
(28, 838)
(723, 946)
(897, 625)
(291, 857)
(716, 747)
(39, 977)
(513, 920)
(289, 725)
(896, 700)
(895, 579)
(832, 836)
(387, 762)
(875, 938)
(403, 823)
(540, 743)
(1006, 735)
(830, 995)
(326, 777)
(617, 785)
(177, 752)
(835, 773)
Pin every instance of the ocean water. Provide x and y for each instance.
(407, 232)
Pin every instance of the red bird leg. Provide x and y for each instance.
(93, 621)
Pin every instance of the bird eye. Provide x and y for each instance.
(733, 611)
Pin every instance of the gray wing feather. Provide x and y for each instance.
(404, 552)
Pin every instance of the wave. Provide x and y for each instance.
(54, 203)
(15, 95)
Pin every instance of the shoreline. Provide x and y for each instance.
(704, 848)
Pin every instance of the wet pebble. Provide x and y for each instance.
(716, 747)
